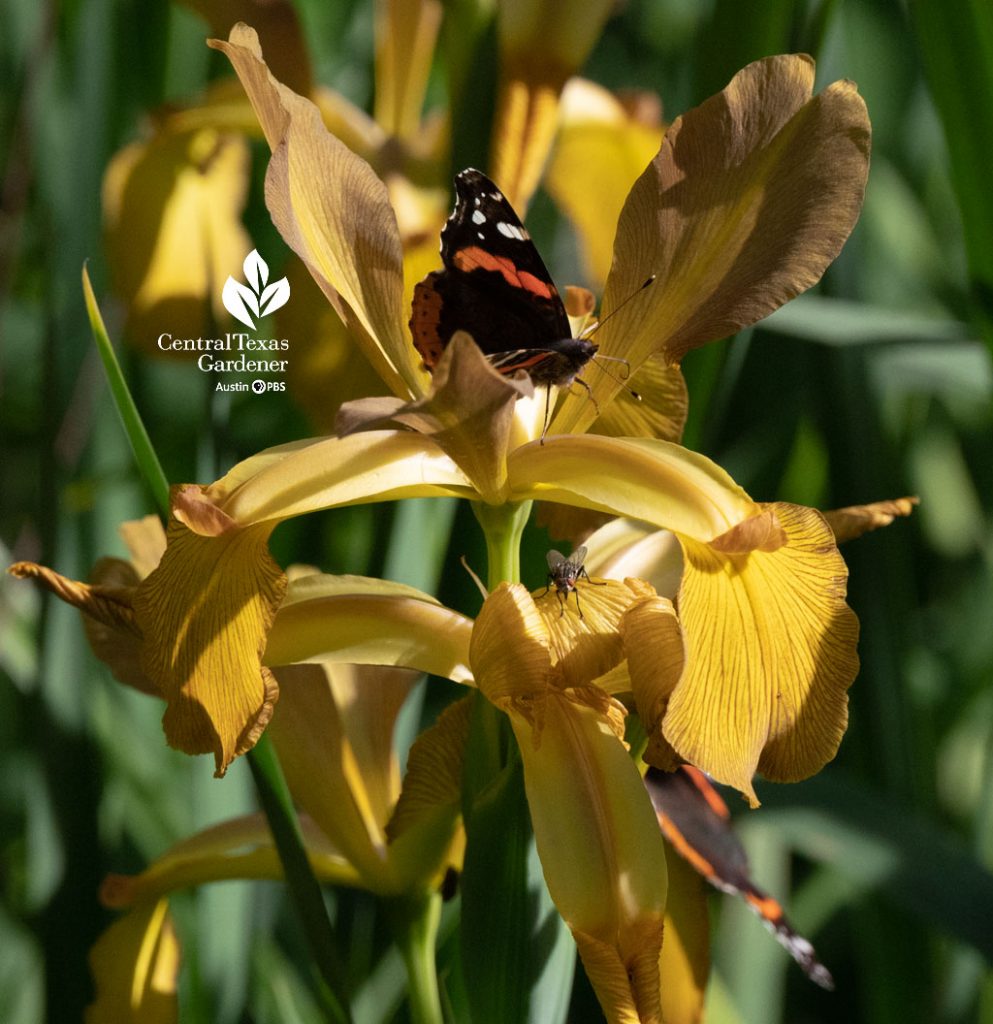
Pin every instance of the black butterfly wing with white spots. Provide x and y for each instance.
(496, 288)
(485, 245)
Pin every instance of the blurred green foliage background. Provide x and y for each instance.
(879, 384)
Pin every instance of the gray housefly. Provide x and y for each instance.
(564, 573)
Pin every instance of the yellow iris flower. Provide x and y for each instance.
(342, 649)
(738, 212)
(747, 201)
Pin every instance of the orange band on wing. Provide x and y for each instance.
(707, 791)
(475, 258)
(768, 908)
(678, 840)
(425, 316)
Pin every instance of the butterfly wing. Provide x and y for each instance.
(495, 287)
(694, 818)
(506, 288)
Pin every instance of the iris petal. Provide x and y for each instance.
(770, 655)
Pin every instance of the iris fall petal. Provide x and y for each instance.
(204, 614)
(770, 654)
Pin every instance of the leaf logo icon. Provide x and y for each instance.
(258, 298)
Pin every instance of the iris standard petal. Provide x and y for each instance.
(750, 198)
(335, 213)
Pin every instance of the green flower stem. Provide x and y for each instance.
(503, 526)
(506, 933)
(141, 445)
(305, 890)
(415, 928)
(490, 742)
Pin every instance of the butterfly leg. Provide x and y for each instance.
(548, 413)
(589, 393)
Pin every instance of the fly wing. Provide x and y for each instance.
(578, 557)
(554, 559)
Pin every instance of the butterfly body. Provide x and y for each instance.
(496, 287)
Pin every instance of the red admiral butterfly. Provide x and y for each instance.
(496, 287)
(696, 821)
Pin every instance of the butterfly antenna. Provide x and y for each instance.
(599, 360)
(613, 376)
(590, 331)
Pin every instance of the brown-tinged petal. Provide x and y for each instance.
(770, 654)
(108, 615)
(751, 196)
(119, 648)
(760, 532)
(406, 31)
(328, 368)
(541, 44)
(658, 407)
(601, 148)
(469, 413)
(278, 27)
(172, 216)
(135, 966)
(333, 730)
(374, 413)
(264, 91)
(204, 614)
(335, 213)
(110, 603)
(851, 522)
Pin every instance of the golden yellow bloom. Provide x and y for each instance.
(135, 965)
(718, 215)
(599, 844)
(784, 662)
(602, 145)
(541, 44)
